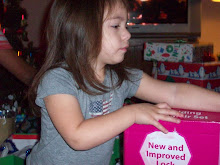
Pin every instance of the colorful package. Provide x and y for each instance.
(176, 52)
(23, 140)
(206, 75)
(195, 141)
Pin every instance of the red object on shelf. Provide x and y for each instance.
(206, 74)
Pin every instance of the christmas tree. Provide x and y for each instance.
(13, 20)
(13, 23)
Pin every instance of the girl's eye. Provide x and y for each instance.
(116, 26)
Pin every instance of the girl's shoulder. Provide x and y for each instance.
(57, 81)
(133, 70)
(57, 73)
(134, 74)
(57, 76)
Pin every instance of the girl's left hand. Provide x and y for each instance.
(151, 114)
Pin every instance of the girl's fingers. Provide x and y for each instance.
(159, 126)
(163, 105)
(170, 112)
(169, 118)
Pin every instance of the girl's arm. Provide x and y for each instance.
(178, 95)
(65, 113)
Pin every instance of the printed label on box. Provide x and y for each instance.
(165, 149)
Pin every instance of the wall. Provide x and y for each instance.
(210, 25)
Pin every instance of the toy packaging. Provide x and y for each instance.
(195, 141)
(16, 147)
(206, 74)
(23, 140)
(177, 52)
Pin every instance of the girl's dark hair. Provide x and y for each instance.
(74, 34)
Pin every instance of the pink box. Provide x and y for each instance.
(195, 141)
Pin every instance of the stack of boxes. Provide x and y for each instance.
(181, 62)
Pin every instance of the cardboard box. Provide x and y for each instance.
(176, 52)
(195, 141)
(206, 75)
(7, 127)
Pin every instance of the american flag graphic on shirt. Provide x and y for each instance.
(100, 107)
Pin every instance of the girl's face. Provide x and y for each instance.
(115, 37)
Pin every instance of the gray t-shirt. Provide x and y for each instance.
(52, 149)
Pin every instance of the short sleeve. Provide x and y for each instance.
(55, 81)
(131, 86)
(4, 44)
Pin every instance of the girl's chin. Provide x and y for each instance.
(116, 59)
(119, 61)
(115, 62)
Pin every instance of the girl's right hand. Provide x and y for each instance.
(146, 113)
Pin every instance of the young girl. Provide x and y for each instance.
(82, 86)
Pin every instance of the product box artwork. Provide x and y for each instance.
(206, 74)
(195, 141)
(176, 52)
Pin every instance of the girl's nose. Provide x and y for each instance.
(126, 35)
